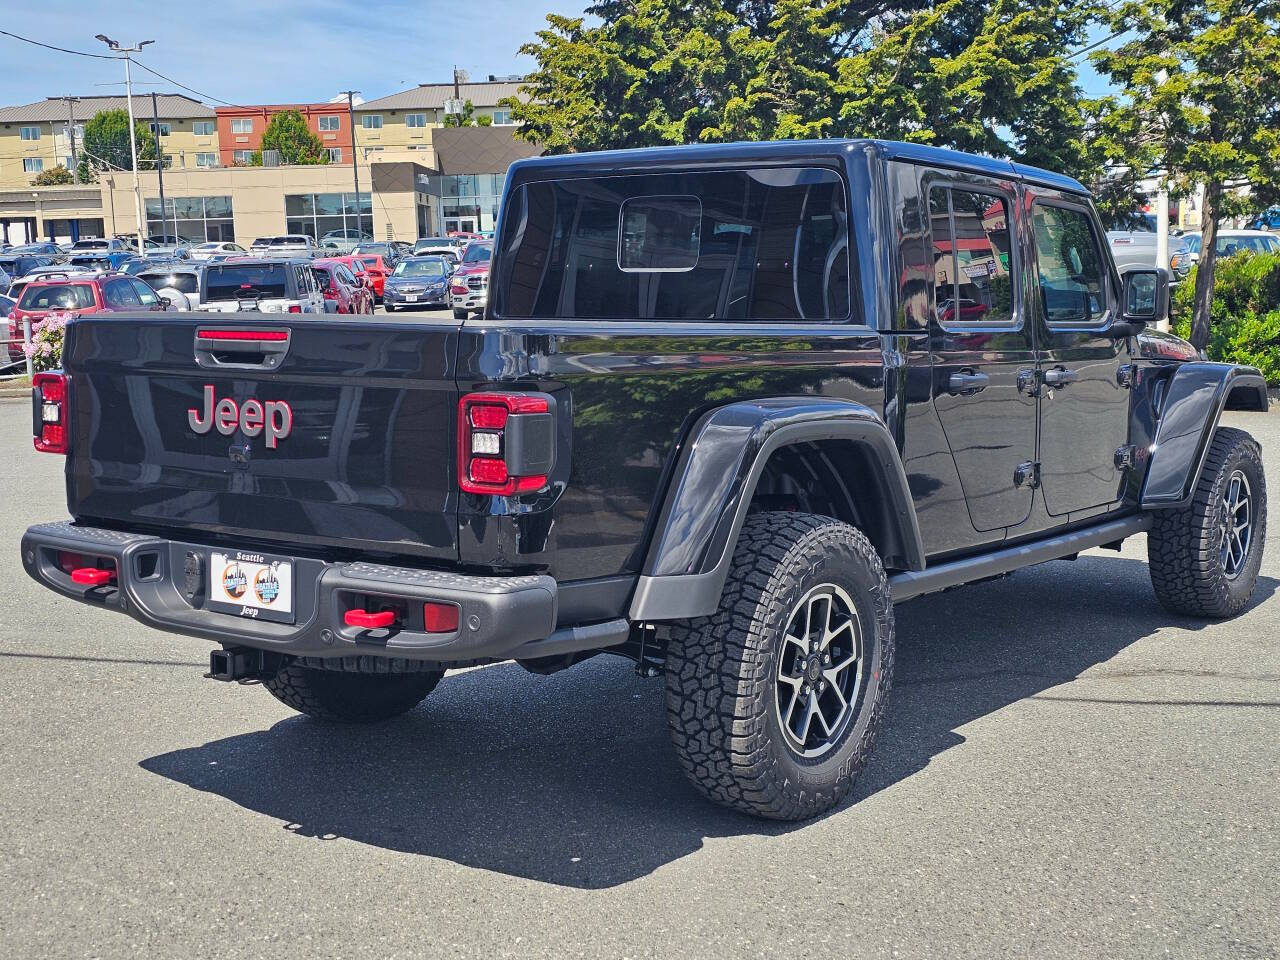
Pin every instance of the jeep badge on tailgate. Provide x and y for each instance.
(252, 417)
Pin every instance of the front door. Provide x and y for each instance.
(1084, 408)
(983, 349)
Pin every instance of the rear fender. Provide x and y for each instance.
(714, 481)
(1196, 395)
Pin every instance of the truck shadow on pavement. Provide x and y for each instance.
(570, 779)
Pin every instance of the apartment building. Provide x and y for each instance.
(36, 137)
(240, 129)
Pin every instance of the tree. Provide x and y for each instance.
(464, 119)
(1199, 100)
(53, 177)
(288, 134)
(994, 76)
(106, 143)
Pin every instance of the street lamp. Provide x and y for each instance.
(133, 146)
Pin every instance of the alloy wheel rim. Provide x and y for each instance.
(1236, 526)
(819, 672)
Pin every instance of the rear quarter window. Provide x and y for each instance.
(754, 244)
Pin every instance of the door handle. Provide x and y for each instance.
(966, 382)
(1060, 377)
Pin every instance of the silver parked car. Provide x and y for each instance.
(1133, 244)
(286, 245)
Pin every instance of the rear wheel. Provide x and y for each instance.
(346, 697)
(775, 700)
(390, 308)
(1204, 557)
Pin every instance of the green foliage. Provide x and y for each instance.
(994, 76)
(106, 143)
(466, 118)
(1245, 312)
(1199, 98)
(53, 177)
(288, 133)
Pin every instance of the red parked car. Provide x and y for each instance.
(369, 264)
(79, 295)
(340, 284)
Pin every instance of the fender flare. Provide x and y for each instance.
(715, 478)
(1196, 395)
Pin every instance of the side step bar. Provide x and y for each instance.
(953, 573)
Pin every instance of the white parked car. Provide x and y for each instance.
(1133, 244)
(344, 240)
(214, 248)
(266, 284)
(179, 283)
(1229, 242)
(288, 245)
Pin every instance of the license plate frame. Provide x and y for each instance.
(255, 586)
(411, 298)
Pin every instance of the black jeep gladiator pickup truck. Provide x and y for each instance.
(727, 405)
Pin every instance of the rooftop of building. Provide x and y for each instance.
(432, 96)
(170, 106)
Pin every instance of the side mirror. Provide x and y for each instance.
(1144, 299)
(167, 301)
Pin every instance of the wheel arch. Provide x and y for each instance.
(735, 455)
(1196, 395)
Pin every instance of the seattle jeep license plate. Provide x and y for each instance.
(252, 585)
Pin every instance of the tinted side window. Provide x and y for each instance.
(973, 276)
(769, 244)
(119, 295)
(1072, 279)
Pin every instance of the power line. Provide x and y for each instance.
(49, 46)
(206, 96)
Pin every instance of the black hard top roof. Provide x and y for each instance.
(624, 161)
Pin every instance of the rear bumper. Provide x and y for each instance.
(500, 617)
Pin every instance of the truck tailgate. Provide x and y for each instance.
(267, 428)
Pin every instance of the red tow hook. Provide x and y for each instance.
(92, 576)
(370, 621)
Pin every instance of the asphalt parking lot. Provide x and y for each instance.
(1066, 771)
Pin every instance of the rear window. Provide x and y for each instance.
(767, 244)
(182, 282)
(57, 296)
(235, 281)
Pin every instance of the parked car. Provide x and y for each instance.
(432, 244)
(371, 266)
(1230, 242)
(451, 254)
(469, 285)
(344, 240)
(41, 247)
(1133, 244)
(288, 245)
(8, 357)
(207, 251)
(389, 252)
(417, 282)
(57, 271)
(80, 295)
(100, 244)
(104, 262)
(17, 264)
(179, 282)
(262, 284)
(343, 293)
(1268, 220)
(348, 509)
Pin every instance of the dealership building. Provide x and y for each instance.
(417, 177)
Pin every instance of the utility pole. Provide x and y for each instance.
(71, 133)
(355, 161)
(155, 124)
(133, 139)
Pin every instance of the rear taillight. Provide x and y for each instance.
(506, 442)
(295, 308)
(49, 402)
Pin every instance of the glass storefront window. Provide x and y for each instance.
(317, 214)
(198, 218)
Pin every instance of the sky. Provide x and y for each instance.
(268, 51)
(280, 51)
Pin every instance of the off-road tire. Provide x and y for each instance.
(720, 670)
(1184, 546)
(346, 697)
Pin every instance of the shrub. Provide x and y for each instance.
(1245, 313)
(45, 348)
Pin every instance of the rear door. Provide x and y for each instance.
(983, 346)
(1084, 409)
(339, 435)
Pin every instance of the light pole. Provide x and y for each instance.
(133, 146)
(355, 163)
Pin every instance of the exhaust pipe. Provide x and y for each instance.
(240, 663)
